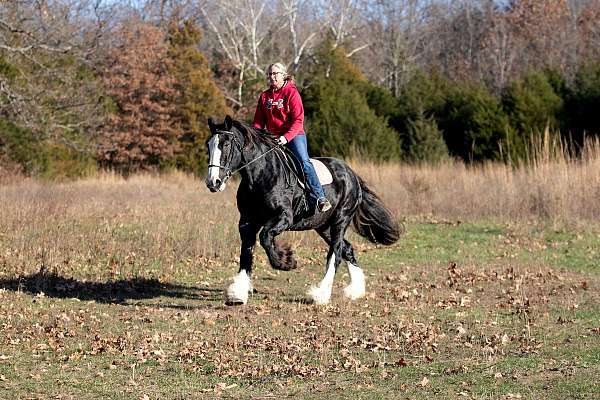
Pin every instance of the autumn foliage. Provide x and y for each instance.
(199, 97)
(142, 133)
(128, 86)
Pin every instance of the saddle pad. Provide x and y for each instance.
(323, 172)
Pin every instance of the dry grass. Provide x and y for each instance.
(103, 221)
(147, 222)
(111, 288)
(551, 186)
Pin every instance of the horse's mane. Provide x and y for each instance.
(253, 135)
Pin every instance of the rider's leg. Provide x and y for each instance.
(298, 146)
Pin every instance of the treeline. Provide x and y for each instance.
(435, 118)
(127, 87)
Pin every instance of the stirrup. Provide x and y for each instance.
(323, 204)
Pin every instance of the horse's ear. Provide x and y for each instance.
(228, 122)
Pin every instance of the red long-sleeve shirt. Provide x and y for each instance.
(280, 111)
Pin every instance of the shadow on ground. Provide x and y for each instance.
(120, 291)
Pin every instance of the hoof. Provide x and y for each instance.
(237, 292)
(319, 295)
(285, 267)
(354, 292)
(234, 302)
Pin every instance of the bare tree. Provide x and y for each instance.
(240, 29)
(399, 35)
(50, 47)
(588, 25)
(344, 20)
(301, 35)
(501, 48)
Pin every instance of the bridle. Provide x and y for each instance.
(228, 171)
(290, 171)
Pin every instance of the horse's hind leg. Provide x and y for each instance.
(356, 288)
(321, 294)
(237, 291)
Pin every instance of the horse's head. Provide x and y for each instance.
(224, 153)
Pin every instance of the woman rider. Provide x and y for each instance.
(280, 111)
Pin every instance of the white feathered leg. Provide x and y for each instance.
(237, 292)
(356, 288)
(322, 294)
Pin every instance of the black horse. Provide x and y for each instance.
(270, 200)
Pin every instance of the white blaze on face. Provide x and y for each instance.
(214, 160)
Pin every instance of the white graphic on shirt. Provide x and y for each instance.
(271, 103)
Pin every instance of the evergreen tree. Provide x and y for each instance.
(583, 103)
(200, 97)
(421, 100)
(339, 119)
(424, 141)
(532, 104)
(474, 124)
(425, 94)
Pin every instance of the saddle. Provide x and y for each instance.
(323, 173)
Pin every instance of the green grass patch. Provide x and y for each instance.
(470, 310)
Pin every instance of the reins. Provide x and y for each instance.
(230, 172)
(253, 160)
(286, 157)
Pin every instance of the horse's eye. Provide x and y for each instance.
(225, 139)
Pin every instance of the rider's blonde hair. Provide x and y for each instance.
(282, 68)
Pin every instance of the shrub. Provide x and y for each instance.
(340, 121)
(474, 124)
(38, 157)
(532, 104)
(424, 141)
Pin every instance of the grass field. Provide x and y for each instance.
(112, 288)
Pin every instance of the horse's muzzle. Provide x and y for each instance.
(216, 184)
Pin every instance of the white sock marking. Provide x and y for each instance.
(240, 287)
(356, 288)
(322, 294)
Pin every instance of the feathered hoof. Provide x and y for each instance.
(285, 267)
(285, 260)
(237, 292)
(234, 302)
(319, 295)
(354, 292)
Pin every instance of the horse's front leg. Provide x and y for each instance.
(237, 291)
(280, 258)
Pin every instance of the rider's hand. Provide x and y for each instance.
(281, 140)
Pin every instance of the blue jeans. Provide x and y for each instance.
(298, 146)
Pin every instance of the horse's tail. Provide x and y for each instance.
(373, 220)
